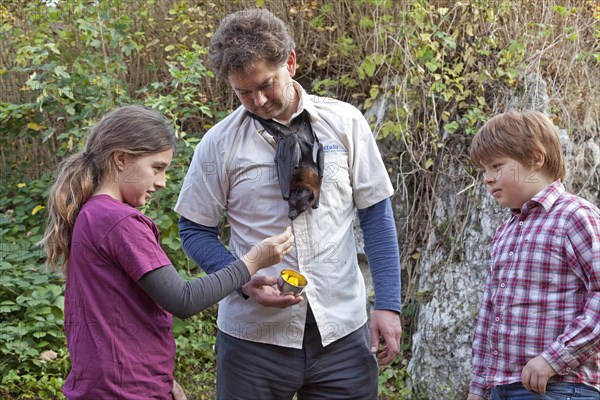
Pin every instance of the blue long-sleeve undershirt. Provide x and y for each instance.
(201, 243)
(383, 253)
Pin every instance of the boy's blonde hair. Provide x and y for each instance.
(522, 136)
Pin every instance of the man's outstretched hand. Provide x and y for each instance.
(263, 290)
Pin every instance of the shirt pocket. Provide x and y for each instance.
(541, 265)
(336, 187)
(545, 254)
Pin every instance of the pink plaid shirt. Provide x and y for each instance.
(542, 294)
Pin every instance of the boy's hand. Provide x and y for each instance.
(536, 374)
(474, 397)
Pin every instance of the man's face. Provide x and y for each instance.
(267, 90)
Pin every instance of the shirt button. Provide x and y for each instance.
(495, 352)
(497, 319)
(503, 285)
(568, 369)
(521, 223)
(511, 254)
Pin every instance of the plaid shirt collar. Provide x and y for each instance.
(546, 198)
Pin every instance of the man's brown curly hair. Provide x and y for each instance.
(246, 37)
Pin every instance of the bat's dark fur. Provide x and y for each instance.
(305, 185)
(305, 189)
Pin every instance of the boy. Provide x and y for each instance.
(538, 331)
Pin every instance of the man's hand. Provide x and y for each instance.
(536, 374)
(474, 397)
(177, 392)
(262, 289)
(386, 324)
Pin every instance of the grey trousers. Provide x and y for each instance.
(342, 370)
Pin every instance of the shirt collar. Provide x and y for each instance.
(546, 198)
(304, 102)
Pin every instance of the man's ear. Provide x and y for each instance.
(291, 63)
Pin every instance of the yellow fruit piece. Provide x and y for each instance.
(293, 280)
(285, 276)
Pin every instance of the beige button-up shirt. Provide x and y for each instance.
(233, 171)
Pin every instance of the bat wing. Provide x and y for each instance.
(319, 157)
(287, 158)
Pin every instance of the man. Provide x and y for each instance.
(272, 345)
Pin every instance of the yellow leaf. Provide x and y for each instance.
(37, 209)
(36, 127)
(425, 37)
(21, 185)
(470, 30)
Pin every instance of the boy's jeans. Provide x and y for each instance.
(554, 391)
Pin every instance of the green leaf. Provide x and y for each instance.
(66, 91)
(366, 22)
(368, 66)
(432, 65)
(451, 127)
(61, 72)
(53, 48)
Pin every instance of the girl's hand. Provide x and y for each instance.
(177, 392)
(269, 252)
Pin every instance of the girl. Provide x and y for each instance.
(121, 288)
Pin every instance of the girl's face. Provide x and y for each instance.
(140, 176)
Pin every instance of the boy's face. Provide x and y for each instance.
(267, 90)
(511, 183)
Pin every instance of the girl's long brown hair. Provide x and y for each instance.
(133, 129)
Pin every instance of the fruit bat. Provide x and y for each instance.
(299, 160)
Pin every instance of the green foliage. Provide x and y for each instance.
(195, 363)
(182, 99)
(393, 382)
(31, 305)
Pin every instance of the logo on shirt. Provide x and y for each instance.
(334, 148)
